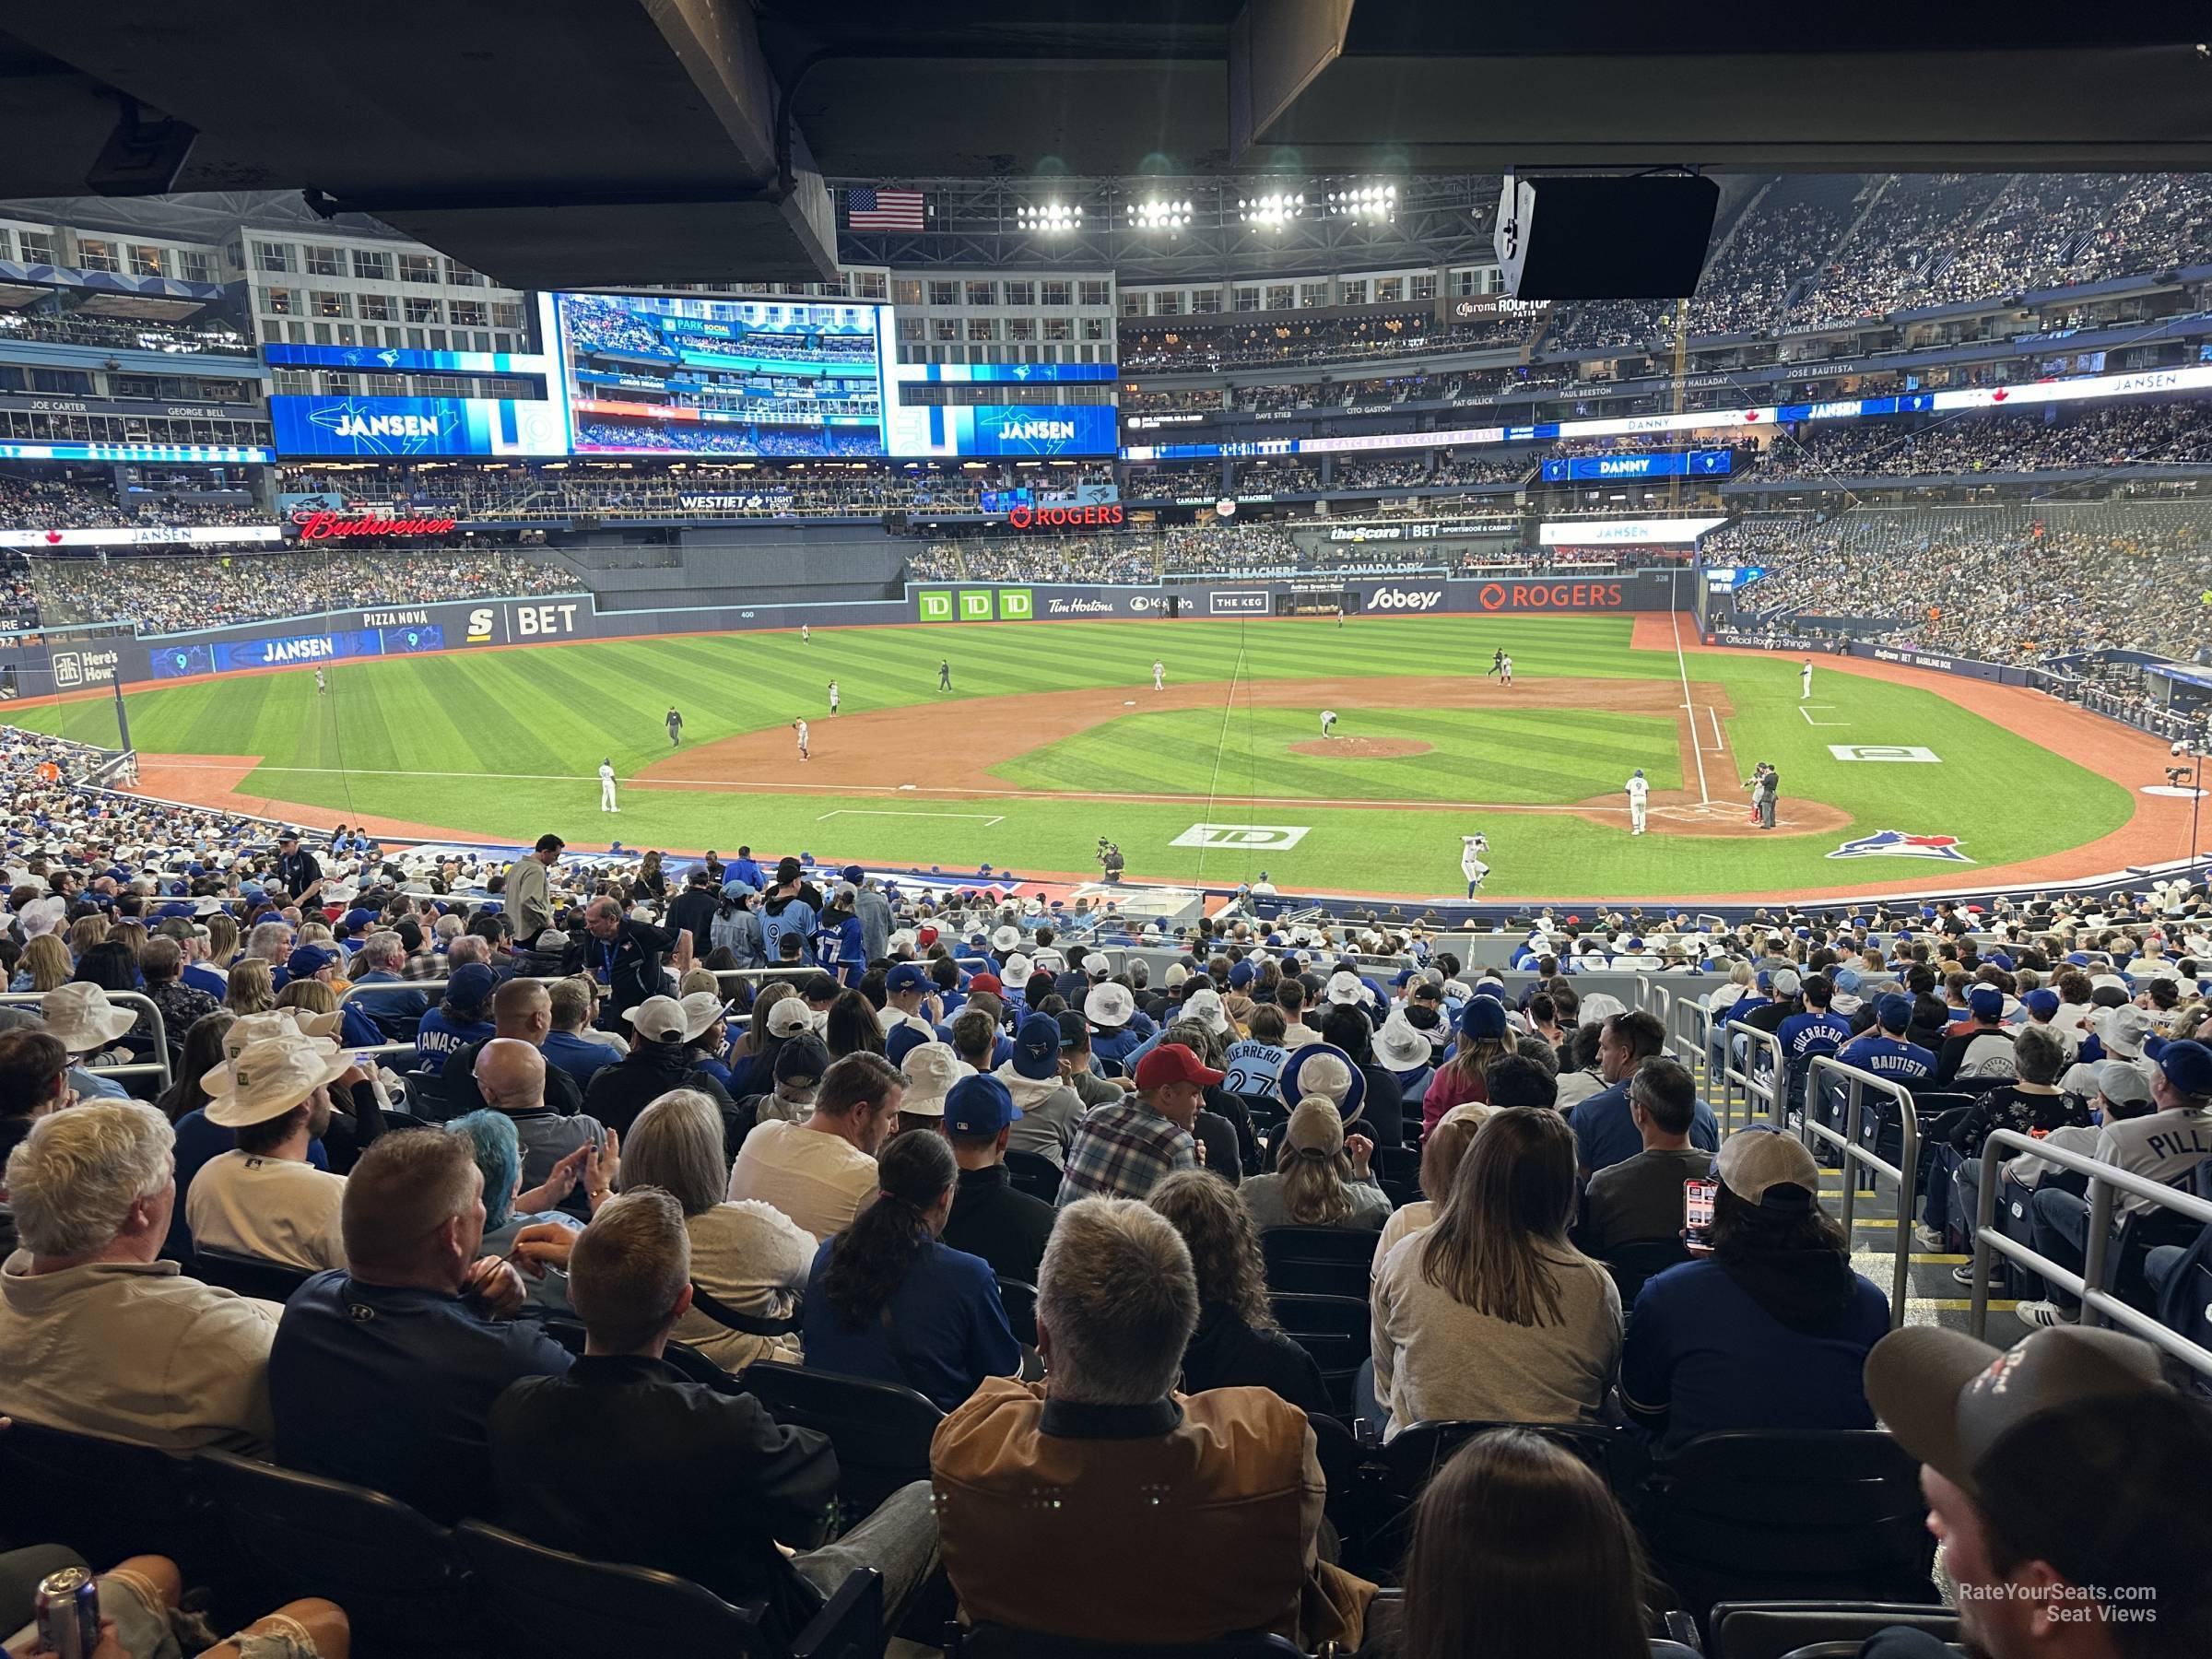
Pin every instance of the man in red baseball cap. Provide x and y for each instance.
(1124, 1150)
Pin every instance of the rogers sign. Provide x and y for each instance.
(322, 525)
(1549, 595)
(1065, 518)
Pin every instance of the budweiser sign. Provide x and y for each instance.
(1065, 518)
(322, 525)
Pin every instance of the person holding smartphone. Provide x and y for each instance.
(1770, 1327)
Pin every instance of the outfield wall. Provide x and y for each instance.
(42, 670)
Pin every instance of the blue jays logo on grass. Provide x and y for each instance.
(1896, 843)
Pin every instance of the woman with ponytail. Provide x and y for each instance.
(887, 1299)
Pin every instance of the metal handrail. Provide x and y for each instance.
(1906, 1172)
(386, 987)
(1743, 1088)
(157, 1066)
(1691, 1044)
(2097, 1302)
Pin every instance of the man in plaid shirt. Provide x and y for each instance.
(1122, 1151)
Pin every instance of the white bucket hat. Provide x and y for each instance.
(1110, 1007)
(83, 1018)
(250, 1028)
(931, 1069)
(1345, 989)
(1006, 938)
(701, 1009)
(1400, 1047)
(270, 1079)
(1204, 1006)
(1014, 973)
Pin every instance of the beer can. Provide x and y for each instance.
(68, 1613)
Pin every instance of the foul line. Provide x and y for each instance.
(988, 820)
(1720, 743)
(1691, 709)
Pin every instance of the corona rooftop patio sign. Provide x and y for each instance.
(323, 525)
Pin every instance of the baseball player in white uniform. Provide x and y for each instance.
(1640, 791)
(320, 683)
(1806, 673)
(805, 634)
(1328, 718)
(800, 727)
(1505, 669)
(1471, 849)
(1160, 676)
(832, 697)
(607, 785)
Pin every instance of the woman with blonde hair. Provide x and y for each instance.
(46, 965)
(1447, 1144)
(1491, 1314)
(131, 936)
(1321, 1175)
(222, 943)
(249, 989)
(1238, 1343)
(85, 933)
(746, 1255)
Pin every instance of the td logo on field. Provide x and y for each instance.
(1249, 837)
(1903, 752)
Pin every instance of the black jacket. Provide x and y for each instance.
(622, 1460)
(618, 1093)
(1225, 1352)
(458, 1080)
(695, 909)
(992, 1219)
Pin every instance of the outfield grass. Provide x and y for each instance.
(507, 743)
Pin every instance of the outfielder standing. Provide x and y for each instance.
(805, 634)
(1160, 676)
(322, 684)
(944, 673)
(832, 697)
(607, 785)
(1639, 794)
(1471, 849)
(800, 727)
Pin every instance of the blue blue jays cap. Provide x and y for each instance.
(982, 1104)
(906, 976)
(1895, 1012)
(1037, 1047)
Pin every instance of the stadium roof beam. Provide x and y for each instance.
(569, 144)
(2044, 86)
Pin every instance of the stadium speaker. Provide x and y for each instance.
(1641, 238)
(1174, 606)
(895, 524)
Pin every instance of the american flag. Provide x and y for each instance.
(870, 209)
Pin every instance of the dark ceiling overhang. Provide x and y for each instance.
(575, 143)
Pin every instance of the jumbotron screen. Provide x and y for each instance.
(674, 374)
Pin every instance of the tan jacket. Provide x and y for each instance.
(1182, 1520)
(137, 1352)
(529, 897)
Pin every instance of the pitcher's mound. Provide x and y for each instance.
(1361, 748)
